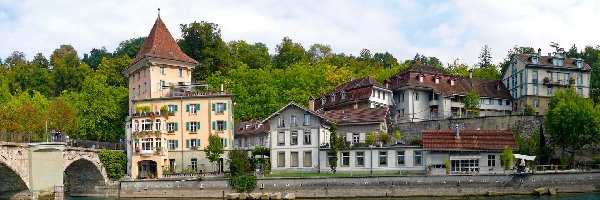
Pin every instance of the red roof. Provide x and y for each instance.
(462, 85)
(160, 44)
(360, 115)
(252, 127)
(469, 140)
(356, 91)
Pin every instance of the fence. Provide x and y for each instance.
(580, 167)
(30, 138)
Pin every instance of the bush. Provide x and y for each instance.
(239, 163)
(506, 158)
(448, 166)
(262, 151)
(243, 182)
(370, 140)
(385, 138)
(114, 162)
(529, 110)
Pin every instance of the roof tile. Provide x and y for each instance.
(469, 140)
(160, 44)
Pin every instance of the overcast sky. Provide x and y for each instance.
(446, 29)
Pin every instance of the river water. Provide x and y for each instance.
(592, 196)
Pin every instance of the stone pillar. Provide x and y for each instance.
(59, 192)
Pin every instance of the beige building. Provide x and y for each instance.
(170, 118)
(532, 79)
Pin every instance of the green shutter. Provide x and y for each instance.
(197, 107)
(175, 108)
(187, 107)
(176, 144)
(224, 106)
(187, 126)
(197, 125)
(214, 124)
(213, 106)
(137, 141)
(176, 126)
(187, 143)
(224, 125)
(224, 142)
(198, 142)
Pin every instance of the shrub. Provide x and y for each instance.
(370, 140)
(243, 182)
(114, 162)
(506, 158)
(528, 110)
(415, 141)
(398, 135)
(239, 163)
(447, 165)
(385, 138)
(263, 151)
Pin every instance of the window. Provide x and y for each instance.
(219, 107)
(343, 95)
(161, 84)
(139, 76)
(281, 138)
(307, 159)
(192, 143)
(172, 108)
(579, 79)
(416, 96)
(139, 89)
(402, 97)
(172, 126)
(136, 125)
(162, 70)
(145, 89)
(333, 98)
(171, 165)
(157, 125)
(549, 91)
(224, 142)
(418, 158)
(146, 125)
(172, 144)
(373, 92)
(400, 158)
(220, 125)
(499, 102)
(360, 158)
(536, 103)
(323, 101)
(345, 158)
(534, 59)
(294, 159)
(306, 119)
(355, 138)
(382, 158)
(281, 122)
(507, 102)
(194, 164)
(567, 77)
(192, 108)
(384, 96)
(192, 126)
(180, 72)
(491, 160)
(281, 159)
(579, 64)
(580, 91)
(549, 76)
(294, 137)
(535, 90)
(306, 137)
(294, 120)
(147, 144)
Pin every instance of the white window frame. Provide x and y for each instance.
(147, 144)
(162, 70)
(360, 159)
(400, 156)
(220, 125)
(193, 127)
(307, 119)
(307, 136)
(147, 125)
(294, 120)
(193, 108)
(171, 126)
(220, 108)
(180, 72)
(382, 155)
(280, 138)
(294, 138)
(171, 144)
(136, 126)
(345, 159)
(419, 155)
(355, 138)
(157, 124)
(491, 160)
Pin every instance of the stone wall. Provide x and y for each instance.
(457, 185)
(14, 162)
(526, 125)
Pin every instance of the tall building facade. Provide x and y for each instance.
(170, 118)
(532, 78)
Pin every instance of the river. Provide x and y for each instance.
(579, 196)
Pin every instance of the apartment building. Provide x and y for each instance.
(357, 93)
(532, 78)
(251, 134)
(170, 118)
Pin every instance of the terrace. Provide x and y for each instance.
(186, 89)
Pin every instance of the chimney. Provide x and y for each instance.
(457, 136)
(311, 103)
(470, 73)
(539, 52)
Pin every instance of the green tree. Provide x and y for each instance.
(317, 52)
(485, 57)
(15, 58)
(68, 72)
(572, 122)
(471, 102)
(289, 53)
(371, 138)
(115, 163)
(129, 47)
(457, 68)
(255, 55)
(40, 61)
(214, 149)
(489, 72)
(202, 41)
(95, 56)
(506, 158)
(27, 77)
(62, 117)
(334, 142)
(386, 59)
(111, 68)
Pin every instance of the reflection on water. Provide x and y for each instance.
(592, 196)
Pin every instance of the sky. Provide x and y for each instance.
(446, 29)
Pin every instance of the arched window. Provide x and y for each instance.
(146, 125)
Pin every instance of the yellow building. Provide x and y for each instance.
(170, 118)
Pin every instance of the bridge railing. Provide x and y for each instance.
(32, 138)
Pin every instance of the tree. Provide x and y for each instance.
(40, 61)
(288, 53)
(457, 68)
(316, 52)
(371, 138)
(334, 141)
(485, 57)
(129, 47)
(471, 102)
(214, 149)
(489, 72)
(573, 53)
(572, 122)
(255, 56)
(386, 59)
(111, 68)
(68, 72)
(515, 50)
(27, 77)
(202, 42)
(62, 116)
(15, 58)
(95, 56)
(506, 158)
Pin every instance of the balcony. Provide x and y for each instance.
(183, 89)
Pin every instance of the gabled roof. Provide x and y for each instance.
(361, 115)
(462, 85)
(356, 91)
(160, 44)
(296, 105)
(546, 61)
(469, 140)
(251, 127)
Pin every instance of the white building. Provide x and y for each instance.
(357, 93)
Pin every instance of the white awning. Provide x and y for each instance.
(465, 157)
(524, 157)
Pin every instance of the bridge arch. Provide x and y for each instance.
(14, 165)
(83, 171)
(10, 180)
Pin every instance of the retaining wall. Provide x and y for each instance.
(467, 185)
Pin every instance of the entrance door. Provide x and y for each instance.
(221, 167)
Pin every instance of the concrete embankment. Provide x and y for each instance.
(456, 185)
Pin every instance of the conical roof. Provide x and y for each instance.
(160, 44)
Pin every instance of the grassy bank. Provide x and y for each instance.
(329, 174)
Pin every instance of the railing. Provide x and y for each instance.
(194, 175)
(33, 138)
(580, 167)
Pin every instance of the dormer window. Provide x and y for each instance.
(437, 80)
(247, 126)
(333, 98)
(578, 63)
(420, 77)
(323, 99)
(343, 95)
(534, 59)
(452, 81)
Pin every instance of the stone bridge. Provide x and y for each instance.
(39, 167)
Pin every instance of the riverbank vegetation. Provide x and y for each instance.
(115, 163)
